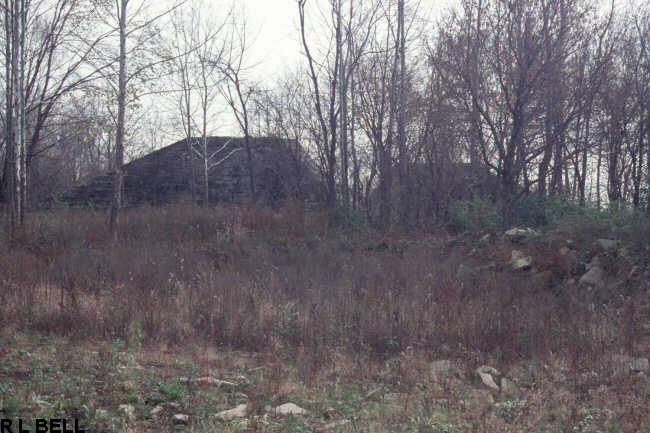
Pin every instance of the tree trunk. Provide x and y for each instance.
(15, 134)
(118, 185)
(401, 114)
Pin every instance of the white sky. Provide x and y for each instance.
(275, 22)
(275, 47)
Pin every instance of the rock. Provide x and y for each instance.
(374, 394)
(156, 411)
(240, 411)
(102, 414)
(489, 370)
(486, 374)
(180, 419)
(211, 381)
(488, 381)
(592, 277)
(564, 251)
(517, 235)
(641, 365)
(596, 261)
(441, 368)
(43, 404)
(466, 275)
(604, 245)
(290, 409)
(520, 261)
(127, 410)
(626, 364)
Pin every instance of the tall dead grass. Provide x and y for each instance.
(281, 281)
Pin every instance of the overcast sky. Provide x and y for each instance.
(275, 22)
(276, 46)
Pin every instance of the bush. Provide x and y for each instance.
(474, 214)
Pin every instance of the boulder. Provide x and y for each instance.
(290, 409)
(592, 277)
(516, 232)
(241, 411)
(519, 261)
(466, 275)
(156, 411)
(604, 245)
(102, 414)
(626, 364)
(211, 381)
(487, 374)
(564, 251)
(127, 410)
(517, 235)
(595, 261)
(180, 419)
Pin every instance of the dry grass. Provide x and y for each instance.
(322, 307)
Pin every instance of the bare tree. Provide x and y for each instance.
(143, 31)
(236, 92)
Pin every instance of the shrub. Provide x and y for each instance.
(476, 214)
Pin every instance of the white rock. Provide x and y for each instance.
(516, 255)
(515, 232)
(127, 410)
(592, 277)
(489, 370)
(488, 381)
(522, 264)
(213, 382)
(180, 418)
(466, 275)
(156, 410)
(241, 411)
(641, 365)
(289, 409)
(486, 374)
(602, 245)
(625, 364)
(519, 260)
(102, 414)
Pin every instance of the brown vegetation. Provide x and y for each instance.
(324, 304)
(269, 280)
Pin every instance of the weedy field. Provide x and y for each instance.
(237, 319)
